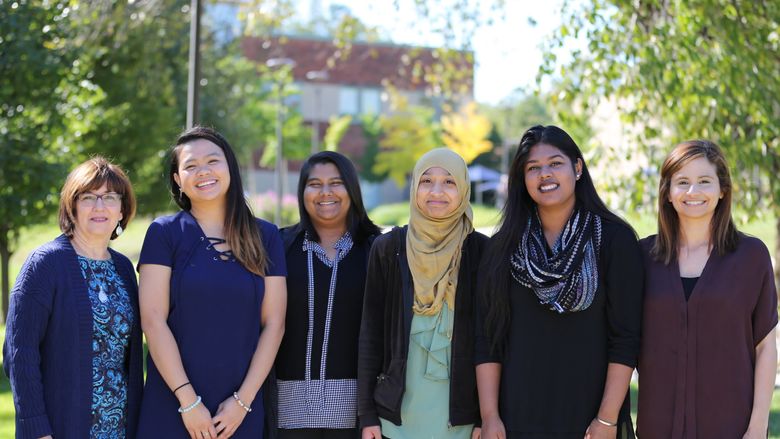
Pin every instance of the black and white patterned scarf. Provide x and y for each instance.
(567, 278)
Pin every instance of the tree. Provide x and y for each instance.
(466, 132)
(409, 132)
(679, 70)
(35, 61)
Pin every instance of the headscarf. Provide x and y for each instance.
(433, 245)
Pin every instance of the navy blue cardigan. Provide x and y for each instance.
(48, 345)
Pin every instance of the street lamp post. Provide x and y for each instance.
(275, 63)
(193, 71)
(314, 76)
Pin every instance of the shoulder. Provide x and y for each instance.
(477, 241)
(616, 233)
(266, 227)
(647, 243)
(168, 221)
(752, 248)
(389, 242)
(49, 253)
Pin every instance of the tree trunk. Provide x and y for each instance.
(5, 256)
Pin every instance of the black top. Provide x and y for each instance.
(688, 284)
(345, 325)
(554, 366)
(384, 333)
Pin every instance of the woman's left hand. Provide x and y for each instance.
(476, 433)
(597, 430)
(229, 416)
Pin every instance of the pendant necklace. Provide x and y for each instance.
(102, 296)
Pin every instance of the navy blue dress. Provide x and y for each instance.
(214, 316)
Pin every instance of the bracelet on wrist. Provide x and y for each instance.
(241, 403)
(191, 406)
(183, 385)
(607, 423)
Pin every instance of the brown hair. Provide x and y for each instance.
(723, 233)
(88, 176)
(241, 230)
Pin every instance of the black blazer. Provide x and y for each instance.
(386, 325)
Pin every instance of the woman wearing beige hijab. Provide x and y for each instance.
(415, 361)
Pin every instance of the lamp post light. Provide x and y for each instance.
(275, 63)
(314, 76)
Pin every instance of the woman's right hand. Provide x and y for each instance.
(198, 423)
(493, 428)
(372, 432)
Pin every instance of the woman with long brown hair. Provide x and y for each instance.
(213, 297)
(708, 359)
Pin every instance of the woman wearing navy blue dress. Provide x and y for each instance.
(213, 297)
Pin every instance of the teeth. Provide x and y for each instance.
(205, 183)
(327, 203)
(694, 203)
(548, 187)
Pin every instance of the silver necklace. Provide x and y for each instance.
(102, 296)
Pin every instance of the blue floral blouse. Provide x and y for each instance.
(112, 316)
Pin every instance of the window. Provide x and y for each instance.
(370, 101)
(348, 101)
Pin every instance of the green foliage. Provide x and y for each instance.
(372, 132)
(397, 214)
(681, 70)
(408, 134)
(337, 128)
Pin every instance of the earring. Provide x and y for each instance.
(578, 176)
(181, 193)
(119, 229)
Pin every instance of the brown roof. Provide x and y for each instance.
(366, 65)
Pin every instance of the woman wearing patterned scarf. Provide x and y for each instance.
(314, 395)
(560, 303)
(415, 363)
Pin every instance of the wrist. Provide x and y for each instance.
(186, 396)
(606, 422)
(246, 396)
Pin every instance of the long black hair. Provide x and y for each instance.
(518, 208)
(359, 224)
(241, 231)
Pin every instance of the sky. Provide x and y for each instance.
(508, 53)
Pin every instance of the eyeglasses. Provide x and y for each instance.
(110, 199)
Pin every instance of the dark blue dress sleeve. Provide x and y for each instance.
(28, 315)
(272, 241)
(157, 248)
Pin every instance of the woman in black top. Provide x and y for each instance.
(560, 308)
(327, 253)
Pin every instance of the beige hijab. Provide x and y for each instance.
(433, 245)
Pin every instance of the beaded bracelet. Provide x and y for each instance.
(191, 406)
(607, 423)
(241, 403)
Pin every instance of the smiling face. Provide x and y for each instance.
(325, 197)
(437, 193)
(695, 190)
(550, 177)
(203, 173)
(97, 214)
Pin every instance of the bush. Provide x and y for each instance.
(397, 214)
(264, 206)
